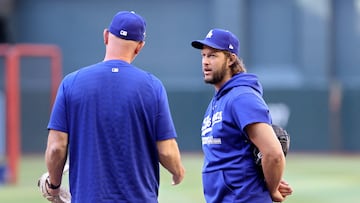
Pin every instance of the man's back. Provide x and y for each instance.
(115, 113)
(115, 122)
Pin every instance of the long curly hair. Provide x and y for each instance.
(238, 65)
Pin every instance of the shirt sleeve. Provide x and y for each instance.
(250, 108)
(164, 125)
(58, 119)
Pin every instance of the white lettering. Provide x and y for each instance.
(123, 33)
(210, 140)
(217, 117)
(209, 122)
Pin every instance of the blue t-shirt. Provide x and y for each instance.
(113, 113)
(229, 172)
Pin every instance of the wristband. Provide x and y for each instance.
(51, 186)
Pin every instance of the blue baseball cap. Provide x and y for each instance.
(128, 25)
(219, 39)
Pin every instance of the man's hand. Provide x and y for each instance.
(277, 197)
(176, 179)
(169, 157)
(60, 195)
(283, 191)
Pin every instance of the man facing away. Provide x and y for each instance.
(237, 120)
(114, 121)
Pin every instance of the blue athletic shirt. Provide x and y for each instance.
(113, 113)
(229, 170)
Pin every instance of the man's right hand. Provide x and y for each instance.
(176, 179)
(283, 191)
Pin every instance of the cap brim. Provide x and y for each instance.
(199, 44)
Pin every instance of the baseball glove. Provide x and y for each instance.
(64, 195)
(284, 139)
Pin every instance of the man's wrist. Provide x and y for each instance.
(51, 186)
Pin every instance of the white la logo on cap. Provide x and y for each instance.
(123, 32)
(209, 34)
(231, 46)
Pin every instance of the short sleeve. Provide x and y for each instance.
(58, 114)
(250, 108)
(164, 126)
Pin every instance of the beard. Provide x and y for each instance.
(217, 76)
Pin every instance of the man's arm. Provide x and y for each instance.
(273, 159)
(56, 155)
(169, 156)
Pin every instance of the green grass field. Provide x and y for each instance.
(315, 179)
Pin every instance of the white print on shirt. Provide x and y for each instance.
(210, 140)
(207, 127)
(115, 70)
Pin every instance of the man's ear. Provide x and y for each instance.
(232, 58)
(106, 36)
(139, 47)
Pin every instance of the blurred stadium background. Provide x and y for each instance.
(306, 54)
